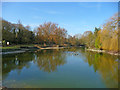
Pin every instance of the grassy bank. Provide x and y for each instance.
(103, 51)
(11, 47)
(29, 47)
(14, 47)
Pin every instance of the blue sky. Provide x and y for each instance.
(75, 17)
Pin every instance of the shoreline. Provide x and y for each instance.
(12, 52)
(28, 48)
(103, 51)
(22, 50)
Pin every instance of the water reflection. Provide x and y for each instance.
(105, 64)
(48, 61)
(15, 62)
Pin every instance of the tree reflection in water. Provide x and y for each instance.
(15, 62)
(50, 59)
(106, 65)
(47, 60)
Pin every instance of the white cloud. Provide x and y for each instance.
(32, 25)
(46, 11)
(53, 12)
(88, 5)
(37, 17)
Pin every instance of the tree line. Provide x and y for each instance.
(16, 33)
(105, 38)
(49, 33)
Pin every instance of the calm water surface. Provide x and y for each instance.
(68, 68)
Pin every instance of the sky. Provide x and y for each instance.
(75, 17)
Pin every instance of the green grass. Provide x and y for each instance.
(16, 46)
(11, 47)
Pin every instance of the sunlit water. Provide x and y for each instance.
(68, 68)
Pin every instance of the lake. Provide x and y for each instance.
(65, 68)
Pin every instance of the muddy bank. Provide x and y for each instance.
(103, 51)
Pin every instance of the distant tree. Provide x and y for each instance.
(7, 31)
(50, 33)
(97, 38)
(88, 39)
(16, 33)
(109, 34)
